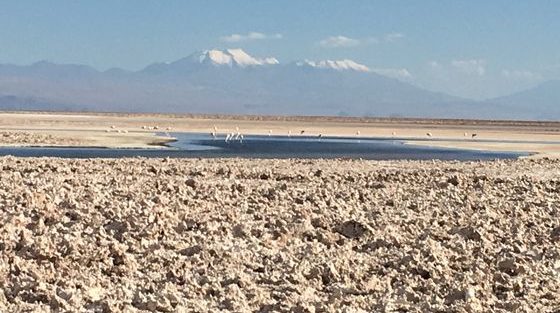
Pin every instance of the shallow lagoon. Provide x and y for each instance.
(190, 145)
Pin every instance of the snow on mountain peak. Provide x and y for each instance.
(339, 65)
(233, 57)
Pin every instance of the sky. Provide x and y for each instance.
(473, 49)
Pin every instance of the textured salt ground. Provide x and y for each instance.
(12, 138)
(131, 235)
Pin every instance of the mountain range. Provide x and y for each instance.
(234, 82)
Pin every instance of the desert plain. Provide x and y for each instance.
(116, 130)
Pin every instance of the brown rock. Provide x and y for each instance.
(352, 229)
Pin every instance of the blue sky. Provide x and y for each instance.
(475, 49)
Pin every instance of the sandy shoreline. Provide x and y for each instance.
(232, 235)
(534, 150)
(82, 138)
(102, 129)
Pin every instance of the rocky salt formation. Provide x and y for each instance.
(147, 235)
(17, 138)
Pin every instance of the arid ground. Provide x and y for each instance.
(209, 235)
(138, 130)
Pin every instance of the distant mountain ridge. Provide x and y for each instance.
(233, 82)
(543, 101)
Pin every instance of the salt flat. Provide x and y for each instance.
(185, 235)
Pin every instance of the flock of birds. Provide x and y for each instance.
(234, 136)
(473, 135)
(237, 136)
(113, 129)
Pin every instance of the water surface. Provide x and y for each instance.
(190, 145)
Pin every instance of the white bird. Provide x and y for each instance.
(237, 128)
(358, 133)
(289, 133)
(237, 135)
(394, 134)
(241, 139)
(113, 127)
(213, 133)
(227, 137)
(465, 134)
(270, 132)
(429, 135)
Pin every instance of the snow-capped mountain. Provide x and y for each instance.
(230, 57)
(338, 65)
(233, 81)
